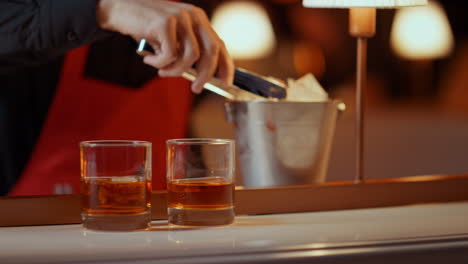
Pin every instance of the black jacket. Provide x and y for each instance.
(34, 36)
(36, 31)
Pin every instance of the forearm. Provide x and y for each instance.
(34, 31)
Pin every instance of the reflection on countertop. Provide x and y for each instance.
(314, 233)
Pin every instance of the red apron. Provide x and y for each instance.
(89, 109)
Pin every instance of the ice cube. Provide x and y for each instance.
(305, 89)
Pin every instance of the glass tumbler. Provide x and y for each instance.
(116, 185)
(200, 183)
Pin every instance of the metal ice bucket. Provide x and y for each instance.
(283, 143)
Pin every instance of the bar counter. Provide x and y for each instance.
(427, 233)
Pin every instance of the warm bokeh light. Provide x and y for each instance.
(422, 32)
(309, 58)
(245, 28)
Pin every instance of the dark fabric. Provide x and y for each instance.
(115, 60)
(25, 96)
(34, 35)
(33, 32)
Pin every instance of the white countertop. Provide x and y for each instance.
(252, 235)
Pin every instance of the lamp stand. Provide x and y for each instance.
(361, 26)
(361, 81)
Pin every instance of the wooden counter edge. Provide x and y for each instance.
(65, 209)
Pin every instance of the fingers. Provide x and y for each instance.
(213, 57)
(206, 68)
(182, 38)
(164, 44)
(190, 49)
(225, 67)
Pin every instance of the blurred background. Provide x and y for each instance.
(417, 92)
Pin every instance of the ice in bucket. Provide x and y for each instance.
(305, 89)
(285, 142)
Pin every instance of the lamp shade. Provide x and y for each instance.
(361, 3)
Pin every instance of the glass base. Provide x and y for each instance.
(116, 222)
(200, 217)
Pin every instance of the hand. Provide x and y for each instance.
(180, 34)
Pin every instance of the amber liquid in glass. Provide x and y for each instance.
(200, 201)
(116, 203)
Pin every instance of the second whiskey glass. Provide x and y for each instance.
(200, 183)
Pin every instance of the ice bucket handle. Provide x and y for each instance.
(341, 108)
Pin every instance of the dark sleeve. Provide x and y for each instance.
(35, 31)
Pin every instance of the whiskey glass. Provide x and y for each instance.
(200, 182)
(116, 185)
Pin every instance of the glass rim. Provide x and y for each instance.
(115, 143)
(194, 141)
